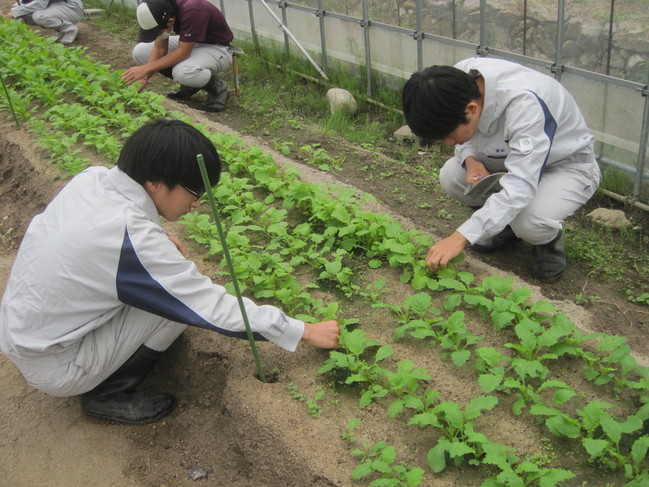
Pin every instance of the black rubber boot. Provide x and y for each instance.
(183, 93)
(490, 244)
(549, 260)
(217, 94)
(116, 401)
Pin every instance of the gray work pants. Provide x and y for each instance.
(57, 16)
(562, 190)
(86, 364)
(197, 69)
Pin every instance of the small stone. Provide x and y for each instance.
(404, 134)
(197, 473)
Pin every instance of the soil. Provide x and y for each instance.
(240, 431)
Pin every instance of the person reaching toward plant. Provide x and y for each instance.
(503, 117)
(60, 15)
(99, 291)
(193, 57)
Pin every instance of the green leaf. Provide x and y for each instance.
(418, 303)
(388, 454)
(459, 449)
(414, 477)
(383, 353)
(594, 447)
(501, 319)
(639, 449)
(437, 457)
(611, 427)
(381, 466)
(451, 413)
(554, 476)
(560, 426)
(489, 382)
(361, 471)
(542, 306)
(460, 357)
(478, 404)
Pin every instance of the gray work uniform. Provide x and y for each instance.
(531, 127)
(49, 14)
(201, 23)
(96, 277)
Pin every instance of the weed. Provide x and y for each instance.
(313, 405)
(6, 234)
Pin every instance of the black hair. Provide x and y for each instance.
(435, 99)
(164, 151)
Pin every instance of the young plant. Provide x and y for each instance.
(379, 460)
(459, 441)
(313, 405)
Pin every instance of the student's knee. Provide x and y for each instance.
(191, 75)
(451, 178)
(535, 231)
(141, 52)
(43, 19)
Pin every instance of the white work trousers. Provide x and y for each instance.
(57, 16)
(197, 69)
(85, 365)
(564, 187)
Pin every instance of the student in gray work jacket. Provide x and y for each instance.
(60, 15)
(98, 289)
(193, 57)
(503, 117)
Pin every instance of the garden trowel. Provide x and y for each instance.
(485, 185)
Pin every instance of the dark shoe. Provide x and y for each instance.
(217, 94)
(490, 244)
(116, 401)
(183, 93)
(135, 407)
(549, 260)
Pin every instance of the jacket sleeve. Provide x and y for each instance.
(152, 275)
(529, 130)
(29, 7)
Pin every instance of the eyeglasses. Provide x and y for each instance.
(194, 193)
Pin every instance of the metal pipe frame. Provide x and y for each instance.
(556, 67)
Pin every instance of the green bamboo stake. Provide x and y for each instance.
(228, 259)
(9, 100)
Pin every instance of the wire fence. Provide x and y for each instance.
(598, 50)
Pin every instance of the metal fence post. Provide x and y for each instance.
(320, 13)
(642, 150)
(557, 67)
(253, 30)
(365, 23)
(282, 6)
(419, 36)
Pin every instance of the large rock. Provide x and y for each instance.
(341, 101)
(609, 218)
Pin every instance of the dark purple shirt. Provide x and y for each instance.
(200, 21)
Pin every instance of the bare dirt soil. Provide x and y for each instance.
(242, 432)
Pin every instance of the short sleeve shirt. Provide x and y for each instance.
(200, 21)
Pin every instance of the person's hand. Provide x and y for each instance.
(136, 73)
(179, 245)
(8, 15)
(441, 253)
(143, 84)
(322, 335)
(475, 170)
